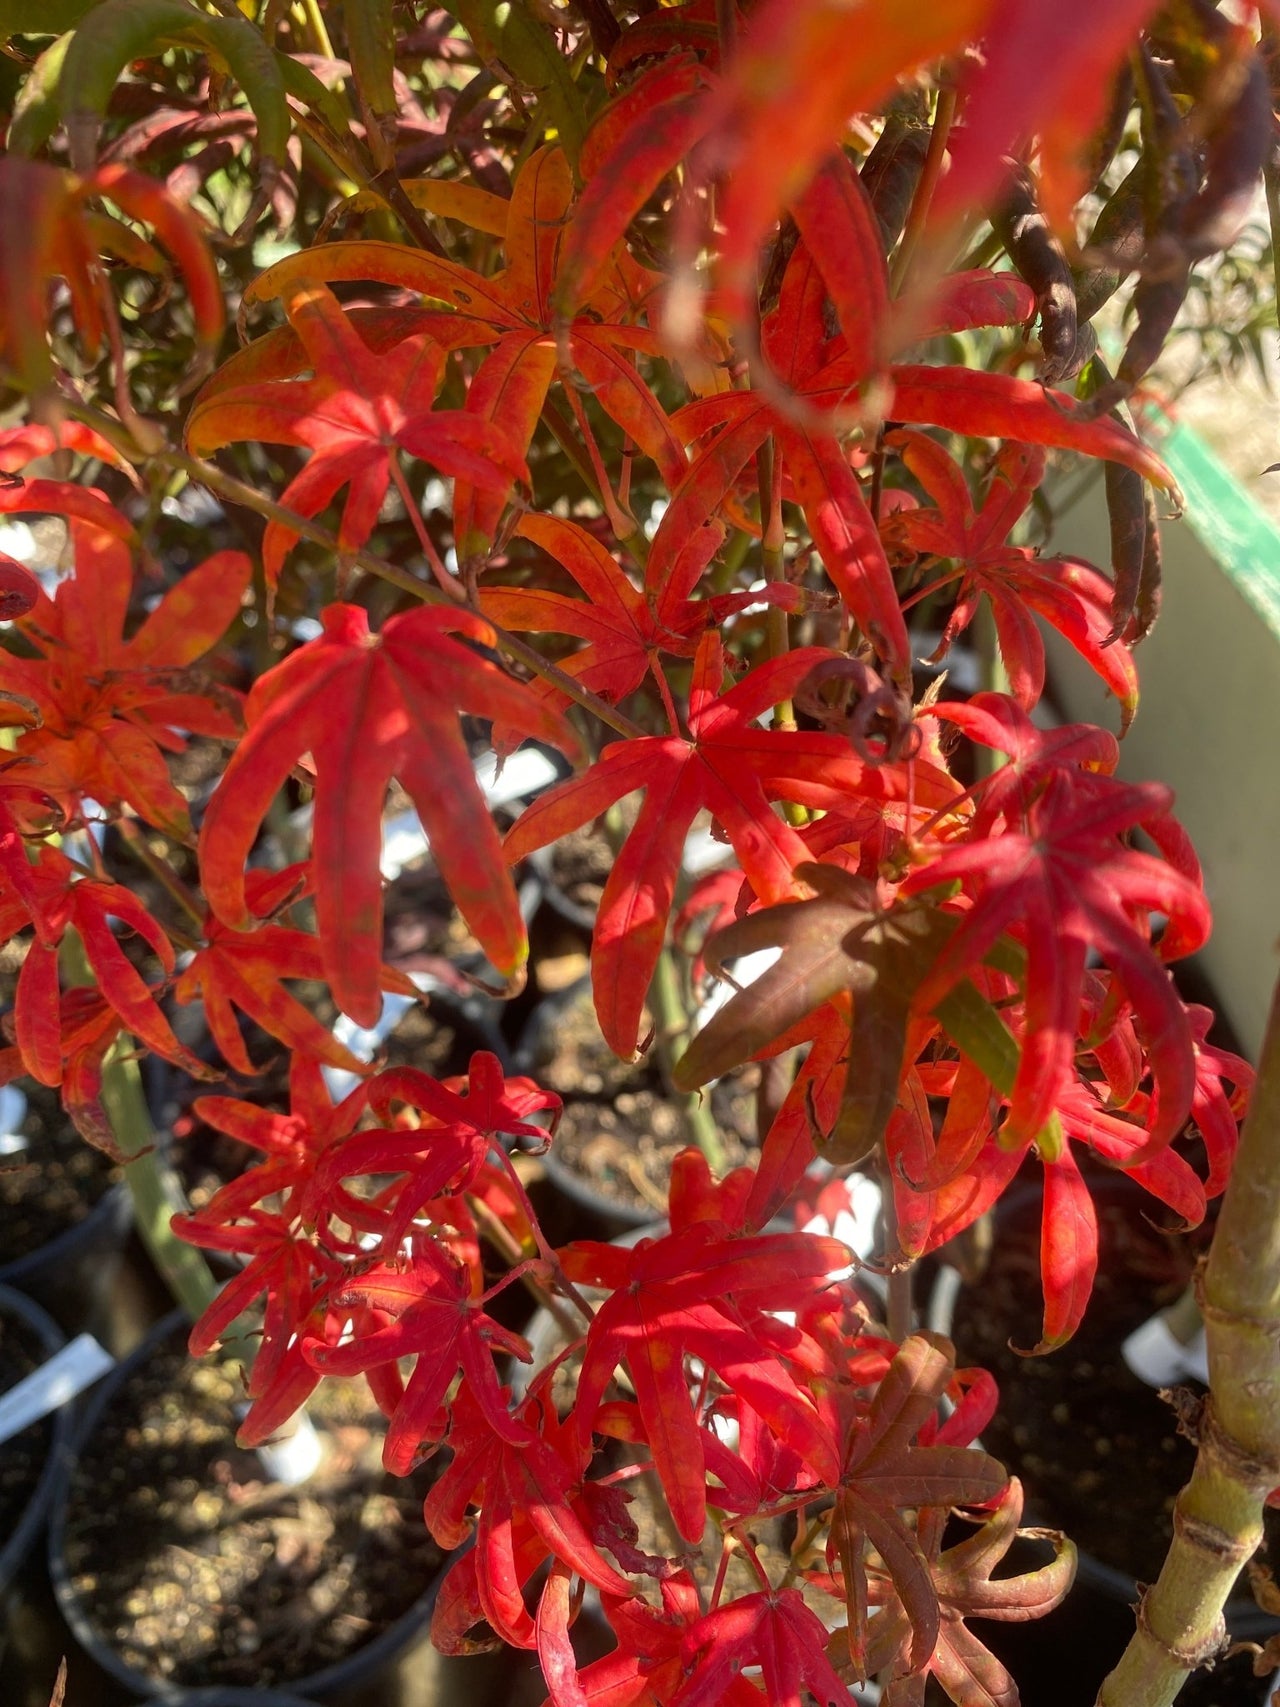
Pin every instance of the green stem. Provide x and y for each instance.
(316, 26)
(153, 1188)
(1217, 1520)
(672, 1030)
(155, 1192)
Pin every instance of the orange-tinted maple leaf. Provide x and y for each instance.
(512, 311)
(49, 232)
(353, 415)
(106, 708)
(368, 708)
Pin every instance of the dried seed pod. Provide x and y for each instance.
(1102, 149)
(1135, 540)
(1114, 247)
(1156, 303)
(1135, 556)
(1042, 262)
(892, 170)
(1218, 63)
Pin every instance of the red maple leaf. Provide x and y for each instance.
(430, 1315)
(1070, 595)
(293, 1145)
(244, 970)
(647, 1666)
(525, 1478)
(61, 899)
(699, 1292)
(1045, 856)
(733, 768)
(368, 708)
(88, 1029)
(353, 415)
(626, 630)
(443, 1146)
(773, 1629)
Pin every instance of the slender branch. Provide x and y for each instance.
(772, 545)
(508, 1247)
(135, 840)
(901, 1304)
(1271, 180)
(672, 1029)
(237, 492)
(727, 31)
(1217, 1520)
(447, 586)
(930, 176)
(604, 27)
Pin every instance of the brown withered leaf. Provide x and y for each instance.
(893, 1467)
(966, 1586)
(844, 943)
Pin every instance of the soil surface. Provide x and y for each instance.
(1097, 1450)
(621, 1127)
(198, 1570)
(50, 1178)
(580, 866)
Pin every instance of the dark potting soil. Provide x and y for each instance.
(23, 1455)
(580, 866)
(197, 1570)
(621, 1128)
(1097, 1450)
(421, 925)
(52, 1182)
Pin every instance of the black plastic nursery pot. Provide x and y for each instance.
(179, 1565)
(228, 1698)
(30, 1461)
(621, 1127)
(66, 1215)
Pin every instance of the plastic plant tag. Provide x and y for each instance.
(66, 1374)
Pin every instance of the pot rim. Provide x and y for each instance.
(52, 1339)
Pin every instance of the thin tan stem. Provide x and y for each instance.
(931, 173)
(444, 580)
(237, 492)
(135, 840)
